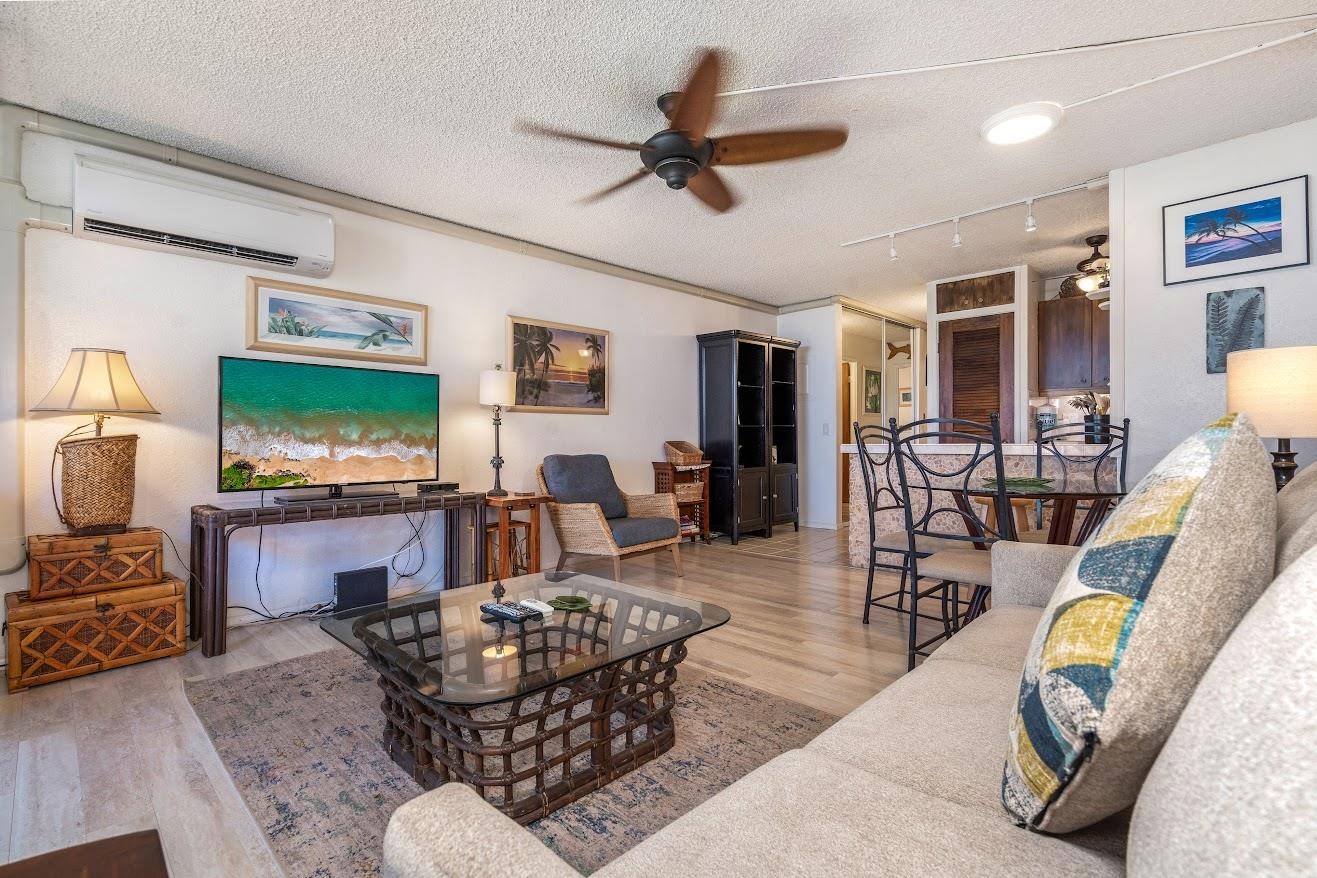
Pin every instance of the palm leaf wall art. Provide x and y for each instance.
(1235, 322)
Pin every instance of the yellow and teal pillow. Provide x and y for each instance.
(1133, 624)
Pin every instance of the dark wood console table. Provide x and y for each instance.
(213, 527)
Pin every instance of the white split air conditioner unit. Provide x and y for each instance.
(162, 207)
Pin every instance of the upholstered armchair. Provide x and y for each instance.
(592, 516)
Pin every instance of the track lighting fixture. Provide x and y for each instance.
(1030, 224)
(891, 250)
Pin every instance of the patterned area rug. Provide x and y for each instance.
(301, 740)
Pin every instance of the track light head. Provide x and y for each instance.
(955, 237)
(1030, 224)
(891, 250)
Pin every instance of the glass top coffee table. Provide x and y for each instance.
(536, 715)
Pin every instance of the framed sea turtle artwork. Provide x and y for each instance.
(290, 318)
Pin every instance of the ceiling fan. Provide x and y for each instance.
(683, 155)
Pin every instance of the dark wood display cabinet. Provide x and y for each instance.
(750, 430)
(1074, 346)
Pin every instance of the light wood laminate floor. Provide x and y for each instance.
(122, 750)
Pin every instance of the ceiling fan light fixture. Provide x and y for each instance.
(1022, 123)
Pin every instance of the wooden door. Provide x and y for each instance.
(976, 370)
(1065, 344)
(848, 430)
(752, 492)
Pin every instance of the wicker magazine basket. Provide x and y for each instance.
(688, 491)
(682, 453)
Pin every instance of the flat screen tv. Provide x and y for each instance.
(301, 425)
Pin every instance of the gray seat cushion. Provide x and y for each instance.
(967, 566)
(807, 815)
(935, 730)
(899, 541)
(999, 638)
(584, 478)
(634, 531)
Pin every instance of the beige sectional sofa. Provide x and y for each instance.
(909, 783)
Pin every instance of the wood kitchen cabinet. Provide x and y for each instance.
(1074, 346)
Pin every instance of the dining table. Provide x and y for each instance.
(1067, 498)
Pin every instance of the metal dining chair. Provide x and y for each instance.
(935, 494)
(882, 493)
(1047, 447)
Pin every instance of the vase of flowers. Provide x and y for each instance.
(1097, 420)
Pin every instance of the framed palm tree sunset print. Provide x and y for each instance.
(560, 367)
(1255, 229)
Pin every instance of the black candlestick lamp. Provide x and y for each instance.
(498, 389)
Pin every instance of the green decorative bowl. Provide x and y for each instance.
(1024, 482)
(570, 603)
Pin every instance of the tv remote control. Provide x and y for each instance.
(510, 612)
(538, 606)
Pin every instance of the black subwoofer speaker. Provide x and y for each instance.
(360, 588)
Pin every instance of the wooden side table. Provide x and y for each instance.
(501, 568)
(691, 485)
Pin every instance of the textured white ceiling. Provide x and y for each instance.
(415, 103)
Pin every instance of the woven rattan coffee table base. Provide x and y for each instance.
(531, 756)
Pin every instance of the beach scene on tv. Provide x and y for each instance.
(290, 425)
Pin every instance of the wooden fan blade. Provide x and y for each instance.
(559, 134)
(695, 110)
(621, 184)
(774, 146)
(710, 188)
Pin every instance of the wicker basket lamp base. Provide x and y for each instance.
(97, 484)
(531, 756)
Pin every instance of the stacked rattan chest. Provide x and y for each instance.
(92, 603)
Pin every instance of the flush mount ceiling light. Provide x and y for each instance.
(1021, 123)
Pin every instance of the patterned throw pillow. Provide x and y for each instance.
(1133, 624)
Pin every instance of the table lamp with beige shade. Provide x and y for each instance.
(1277, 389)
(98, 475)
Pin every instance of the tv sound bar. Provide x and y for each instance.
(335, 495)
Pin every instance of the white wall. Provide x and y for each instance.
(175, 314)
(819, 332)
(1166, 391)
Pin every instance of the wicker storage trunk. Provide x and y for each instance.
(58, 638)
(62, 566)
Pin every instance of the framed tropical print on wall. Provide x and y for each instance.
(560, 367)
(289, 318)
(1247, 230)
(873, 391)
